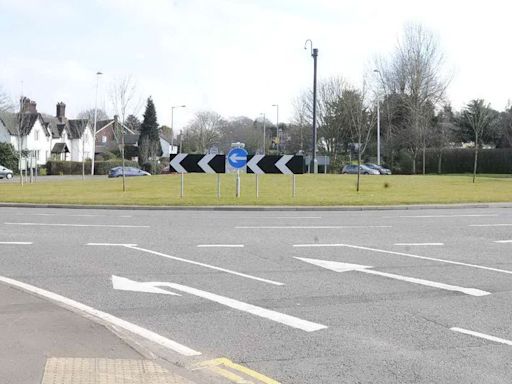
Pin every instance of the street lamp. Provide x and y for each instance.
(172, 123)
(264, 134)
(314, 55)
(277, 127)
(378, 122)
(98, 74)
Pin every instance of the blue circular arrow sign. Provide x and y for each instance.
(237, 157)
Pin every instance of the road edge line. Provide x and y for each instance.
(102, 317)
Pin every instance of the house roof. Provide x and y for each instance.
(60, 148)
(103, 124)
(76, 128)
(12, 123)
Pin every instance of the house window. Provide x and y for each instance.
(103, 139)
(36, 135)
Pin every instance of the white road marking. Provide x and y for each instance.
(440, 216)
(345, 267)
(490, 225)
(406, 255)
(291, 321)
(281, 217)
(419, 244)
(482, 335)
(63, 215)
(313, 227)
(79, 225)
(503, 241)
(220, 246)
(15, 242)
(199, 264)
(113, 244)
(103, 316)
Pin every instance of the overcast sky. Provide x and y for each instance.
(237, 57)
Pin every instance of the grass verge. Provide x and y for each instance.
(313, 190)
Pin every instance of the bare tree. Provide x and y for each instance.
(415, 74)
(124, 97)
(361, 119)
(203, 131)
(88, 114)
(479, 117)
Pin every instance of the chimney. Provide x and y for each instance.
(29, 106)
(61, 111)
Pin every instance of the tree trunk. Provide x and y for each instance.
(439, 161)
(358, 165)
(423, 155)
(476, 159)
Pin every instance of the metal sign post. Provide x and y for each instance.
(182, 182)
(237, 158)
(218, 185)
(257, 187)
(293, 185)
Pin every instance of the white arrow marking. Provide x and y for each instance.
(278, 317)
(203, 163)
(176, 162)
(281, 164)
(124, 284)
(253, 164)
(344, 267)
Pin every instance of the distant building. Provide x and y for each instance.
(47, 137)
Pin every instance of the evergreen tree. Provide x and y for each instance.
(149, 139)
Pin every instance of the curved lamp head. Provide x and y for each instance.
(310, 43)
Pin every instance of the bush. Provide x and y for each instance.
(460, 160)
(57, 167)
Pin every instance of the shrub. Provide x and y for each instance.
(57, 167)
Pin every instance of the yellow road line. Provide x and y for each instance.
(229, 375)
(215, 364)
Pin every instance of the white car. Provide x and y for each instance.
(5, 172)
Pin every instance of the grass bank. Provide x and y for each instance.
(314, 190)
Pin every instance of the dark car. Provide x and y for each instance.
(128, 172)
(364, 170)
(5, 172)
(380, 168)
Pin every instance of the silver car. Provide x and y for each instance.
(5, 172)
(364, 170)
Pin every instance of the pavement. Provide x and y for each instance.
(263, 297)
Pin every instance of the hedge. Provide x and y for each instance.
(461, 161)
(57, 167)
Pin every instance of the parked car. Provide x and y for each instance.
(380, 168)
(128, 172)
(5, 172)
(364, 170)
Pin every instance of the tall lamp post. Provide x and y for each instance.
(98, 74)
(278, 137)
(378, 122)
(314, 55)
(264, 133)
(172, 123)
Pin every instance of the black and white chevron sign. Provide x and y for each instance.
(185, 163)
(285, 164)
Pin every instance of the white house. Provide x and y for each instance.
(48, 137)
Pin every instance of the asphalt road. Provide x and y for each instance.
(434, 308)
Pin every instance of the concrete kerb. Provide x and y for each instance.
(235, 208)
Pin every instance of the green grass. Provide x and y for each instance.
(314, 190)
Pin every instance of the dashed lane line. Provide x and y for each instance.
(78, 225)
(16, 242)
(247, 276)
